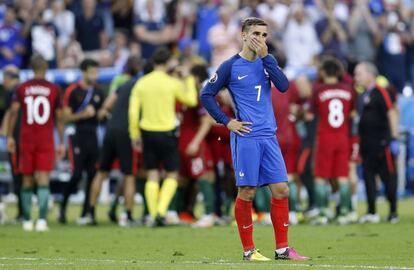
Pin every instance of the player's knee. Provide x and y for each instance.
(281, 191)
(27, 184)
(247, 193)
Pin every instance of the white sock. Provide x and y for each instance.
(281, 250)
(247, 252)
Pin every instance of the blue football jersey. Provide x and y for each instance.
(249, 83)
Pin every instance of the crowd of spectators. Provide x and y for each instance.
(66, 31)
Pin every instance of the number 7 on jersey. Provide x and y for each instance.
(259, 90)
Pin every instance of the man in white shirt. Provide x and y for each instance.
(300, 40)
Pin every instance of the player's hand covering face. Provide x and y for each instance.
(256, 40)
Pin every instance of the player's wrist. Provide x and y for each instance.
(226, 122)
(264, 55)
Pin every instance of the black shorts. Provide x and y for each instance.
(116, 145)
(160, 149)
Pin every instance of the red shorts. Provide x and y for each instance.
(332, 156)
(195, 166)
(137, 161)
(220, 151)
(36, 157)
(290, 154)
(218, 141)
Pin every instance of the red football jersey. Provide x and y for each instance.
(332, 105)
(286, 128)
(39, 100)
(191, 119)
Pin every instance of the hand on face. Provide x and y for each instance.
(259, 47)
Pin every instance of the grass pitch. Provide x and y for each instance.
(380, 246)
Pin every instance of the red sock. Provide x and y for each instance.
(279, 212)
(243, 214)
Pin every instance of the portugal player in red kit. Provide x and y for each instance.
(285, 107)
(195, 158)
(333, 104)
(40, 103)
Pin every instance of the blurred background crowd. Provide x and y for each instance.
(66, 31)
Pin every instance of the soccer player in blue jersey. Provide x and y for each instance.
(255, 150)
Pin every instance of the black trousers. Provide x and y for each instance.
(378, 160)
(84, 157)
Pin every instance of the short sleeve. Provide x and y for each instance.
(68, 98)
(393, 94)
(386, 101)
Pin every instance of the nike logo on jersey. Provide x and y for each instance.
(285, 225)
(242, 77)
(246, 227)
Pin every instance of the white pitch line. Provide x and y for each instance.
(63, 261)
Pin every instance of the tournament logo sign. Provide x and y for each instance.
(213, 78)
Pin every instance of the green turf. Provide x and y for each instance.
(110, 247)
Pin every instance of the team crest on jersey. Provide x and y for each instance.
(96, 98)
(213, 78)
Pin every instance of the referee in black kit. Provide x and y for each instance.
(117, 144)
(378, 131)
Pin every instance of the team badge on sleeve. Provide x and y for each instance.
(213, 78)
